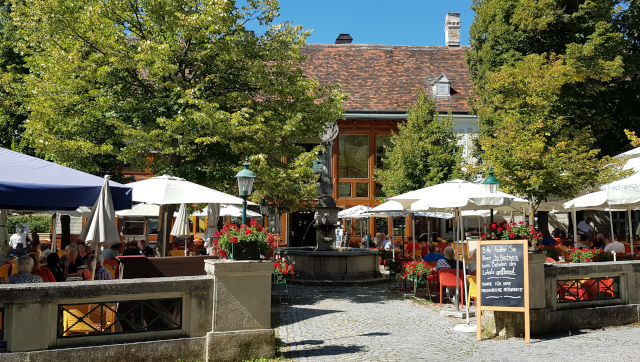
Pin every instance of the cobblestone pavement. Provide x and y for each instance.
(377, 324)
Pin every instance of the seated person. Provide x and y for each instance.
(386, 244)
(424, 247)
(380, 239)
(131, 249)
(83, 252)
(43, 251)
(449, 261)
(71, 263)
(18, 251)
(585, 230)
(599, 243)
(24, 265)
(112, 252)
(432, 255)
(145, 249)
(43, 273)
(53, 264)
(101, 272)
(35, 242)
(547, 239)
(412, 245)
(471, 265)
(614, 246)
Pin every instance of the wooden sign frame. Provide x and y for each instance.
(525, 263)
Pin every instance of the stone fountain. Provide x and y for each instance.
(326, 262)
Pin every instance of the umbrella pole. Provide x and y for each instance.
(575, 227)
(630, 231)
(457, 236)
(413, 231)
(611, 224)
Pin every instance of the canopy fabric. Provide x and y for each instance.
(141, 210)
(181, 224)
(166, 189)
(229, 210)
(628, 183)
(455, 194)
(4, 234)
(605, 199)
(101, 228)
(389, 208)
(354, 212)
(30, 183)
(631, 153)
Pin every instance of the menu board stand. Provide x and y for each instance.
(503, 279)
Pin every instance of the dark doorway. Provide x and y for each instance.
(301, 229)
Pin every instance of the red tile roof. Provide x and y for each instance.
(386, 78)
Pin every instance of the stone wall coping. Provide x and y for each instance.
(229, 267)
(573, 269)
(49, 292)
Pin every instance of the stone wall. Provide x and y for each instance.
(226, 316)
(549, 316)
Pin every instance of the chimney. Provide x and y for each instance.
(345, 39)
(452, 30)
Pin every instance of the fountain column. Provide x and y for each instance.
(326, 215)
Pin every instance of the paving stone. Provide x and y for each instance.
(374, 323)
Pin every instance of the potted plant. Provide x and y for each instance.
(247, 242)
(282, 271)
(513, 231)
(417, 271)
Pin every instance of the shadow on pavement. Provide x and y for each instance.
(324, 351)
(305, 313)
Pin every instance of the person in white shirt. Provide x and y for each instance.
(386, 244)
(585, 230)
(15, 238)
(616, 246)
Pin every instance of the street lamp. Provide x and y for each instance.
(245, 185)
(264, 210)
(491, 184)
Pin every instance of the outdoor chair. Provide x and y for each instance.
(112, 267)
(61, 253)
(447, 278)
(473, 291)
(14, 269)
(4, 273)
(177, 252)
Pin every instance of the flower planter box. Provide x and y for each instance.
(243, 250)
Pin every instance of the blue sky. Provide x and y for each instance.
(400, 22)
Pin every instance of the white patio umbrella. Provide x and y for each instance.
(455, 195)
(605, 200)
(166, 190)
(213, 214)
(140, 210)
(229, 210)
(274, 222)
(181, 227)
(4, 234)
(101, 228)
(171, 190)
(353, 212)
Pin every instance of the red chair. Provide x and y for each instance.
(447, 278)
(606, 287)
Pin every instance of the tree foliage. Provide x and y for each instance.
(598, 37)
(541, 69)
(424, 152)
(12, 70)
(180, 86)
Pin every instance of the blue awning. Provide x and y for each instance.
(30, 183)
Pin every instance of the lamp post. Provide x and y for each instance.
(491, 184)
(245, 185)
(264, 210)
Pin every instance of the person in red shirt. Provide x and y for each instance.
(43, 273)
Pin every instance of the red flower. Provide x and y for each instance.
(248, 231)
(500, 229)
(512, 236)
(234, 239)
(521, 222)
(216, 234)
(253, 223)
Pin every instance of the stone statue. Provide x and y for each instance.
(326, 216)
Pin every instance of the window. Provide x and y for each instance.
(344, 189)
(442, 86)
(382, 141)
(362, 189)
(353, 161)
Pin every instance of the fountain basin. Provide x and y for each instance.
(343, 264)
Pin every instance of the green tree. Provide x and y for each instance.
(591, 35)
(12, 70)
(542, 70)
(424, 152)
(179, 86)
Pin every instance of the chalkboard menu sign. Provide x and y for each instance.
(502, 279)
(502, 275)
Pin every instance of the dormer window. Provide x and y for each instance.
(442, 86)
